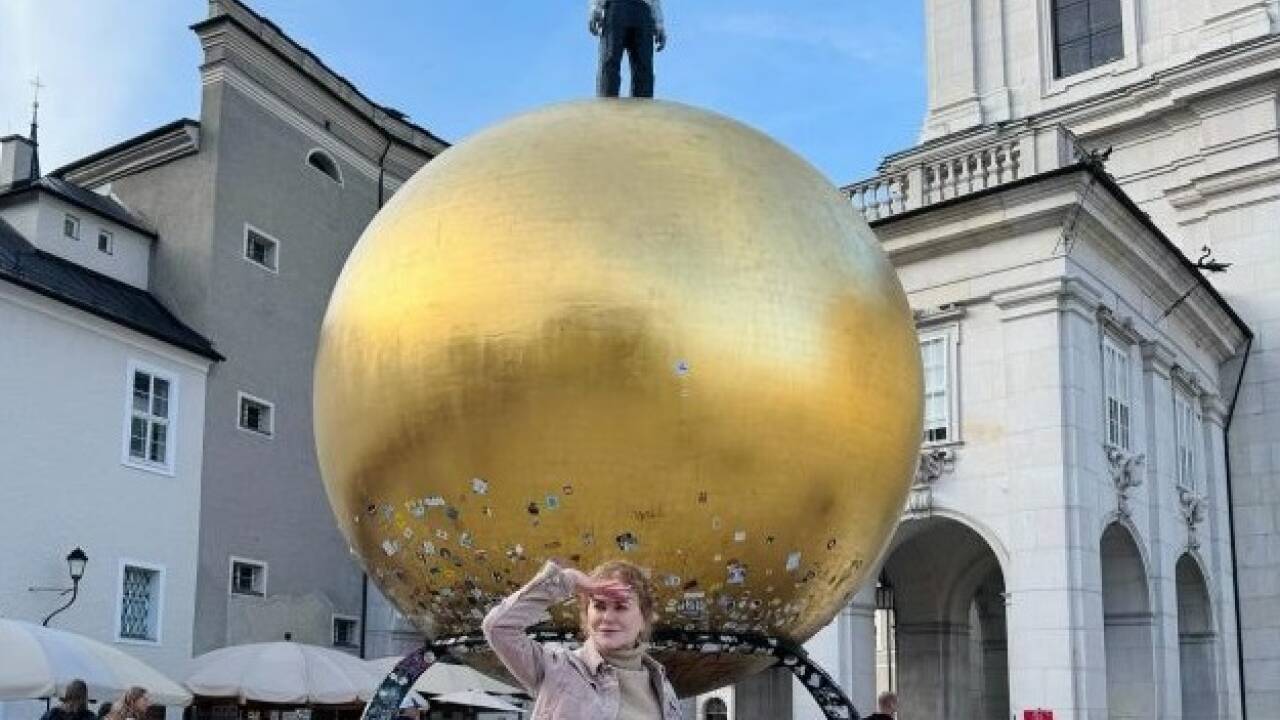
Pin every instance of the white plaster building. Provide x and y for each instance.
(102, 415)
(1097, 499)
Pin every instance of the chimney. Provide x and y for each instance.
(16, 157)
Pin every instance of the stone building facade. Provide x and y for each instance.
(1093, 530)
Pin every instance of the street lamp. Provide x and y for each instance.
(76, 562)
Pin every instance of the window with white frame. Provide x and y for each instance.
(1186, 426)
(257, 415)
(151, 406)
(71, 227)
(715, 709)
(261, 249)
(346, 631)
(248, 577)
(937, 355)
(140, 599)
(1086, 34)
(1115, 380)
(106, 242)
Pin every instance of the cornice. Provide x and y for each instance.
(169, 143)
(1056, 295)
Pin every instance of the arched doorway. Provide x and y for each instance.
(1196, 642)
(950, 648)
(1127, 623)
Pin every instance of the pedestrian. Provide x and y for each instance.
(886, 707)
(74, 705)
(611, 675)
(631, 26)
(132, 705)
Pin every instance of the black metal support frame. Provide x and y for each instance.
(835, 705)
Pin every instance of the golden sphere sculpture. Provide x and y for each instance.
(620, 328)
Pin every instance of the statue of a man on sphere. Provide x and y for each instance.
(631, 26)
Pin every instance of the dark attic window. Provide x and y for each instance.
(325, 163)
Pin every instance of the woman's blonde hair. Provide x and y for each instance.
(127, 706)
(633, 577)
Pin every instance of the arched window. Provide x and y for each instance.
(715, 709)
(325, 163)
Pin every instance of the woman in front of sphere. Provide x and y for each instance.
(610, 677)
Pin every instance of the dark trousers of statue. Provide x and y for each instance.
(628, 27)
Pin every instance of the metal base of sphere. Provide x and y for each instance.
(706, 649)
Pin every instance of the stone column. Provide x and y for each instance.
(1051, 356)
(932, 662)
(763, 696)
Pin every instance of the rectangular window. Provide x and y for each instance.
(150, 414)
(346, 631)
(140, 598)
(106, 243)
(1086, 34)
(935, 355)
(1115, 377)
(71, 227)
(1186, 425)
(248, 577)
(260, 249)
(256, 415)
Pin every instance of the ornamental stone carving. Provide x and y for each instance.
(1124, 474)
(1192, 505)
(934, 463)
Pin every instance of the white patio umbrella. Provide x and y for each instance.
(286, 673)
(443, 678)
(38, 662)
(476, 699)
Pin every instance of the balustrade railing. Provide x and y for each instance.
(933, 178)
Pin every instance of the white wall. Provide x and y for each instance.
(39, 219)
(63, 482)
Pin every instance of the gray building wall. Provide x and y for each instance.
(262, 497)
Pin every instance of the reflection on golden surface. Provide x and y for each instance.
(620, 328)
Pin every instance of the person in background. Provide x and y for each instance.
(103, 710)
(635, 27)
(886, 707)
(133, 705)
(74, 705)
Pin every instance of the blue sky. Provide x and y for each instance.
(839, 81)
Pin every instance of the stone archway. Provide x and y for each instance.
(1127, 627)
(1196, 643)
(949, 610)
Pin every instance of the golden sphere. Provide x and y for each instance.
(620, 328)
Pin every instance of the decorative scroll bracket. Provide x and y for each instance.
(934, 463)
(1193, 510)
(1124, 475)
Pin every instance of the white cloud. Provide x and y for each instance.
(111, 69)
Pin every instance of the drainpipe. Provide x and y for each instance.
(364, 576)
(1231, 526)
